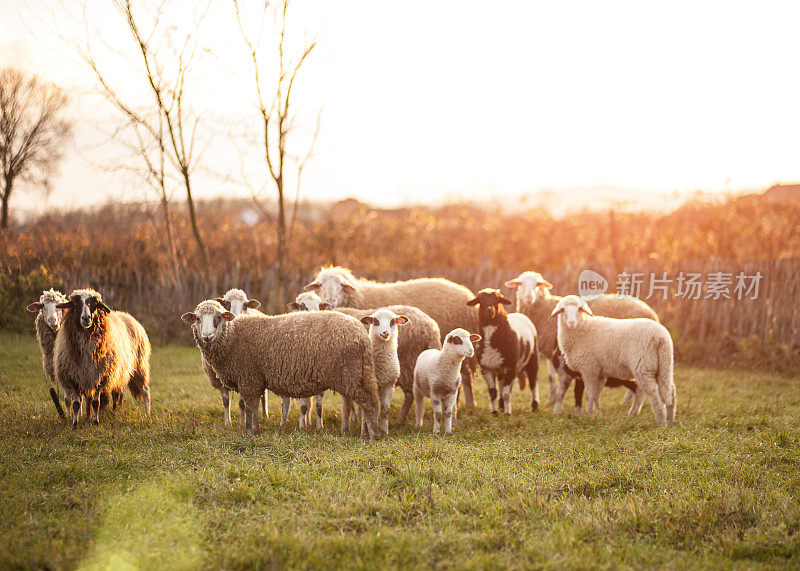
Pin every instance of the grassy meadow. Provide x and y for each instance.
(180, 490)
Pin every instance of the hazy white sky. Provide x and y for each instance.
(434, 100)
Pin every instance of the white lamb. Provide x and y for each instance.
(599, 347)
(383, 331)
(437, 376)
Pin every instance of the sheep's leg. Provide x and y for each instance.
(629, 398)
(579, 388)
(305, 406)
(318, 407)
(438, 414)
(286, 404)
(242, 413)
(507, 385)
(532, 370)
(419, 406)
(57, 402)
(552, 377)
(95, 405)
(648, 384)
(251, 407)
(490, 386)
(467, 376)
(264, 408)
(226, 405)
(386, 402)
(672, 406)
(87, 404)
(592, 383)
(368, 410)
(638, 401)
(564, 381)
(347, 407)
(406, 408)
(76, 411)
(146, 399)
(449, 406)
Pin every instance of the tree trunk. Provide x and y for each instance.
(173, 251)
(281, 254)
(193, 217)
(6, 197)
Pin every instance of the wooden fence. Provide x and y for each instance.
(703, 321)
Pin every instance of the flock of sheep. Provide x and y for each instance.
(361, 338)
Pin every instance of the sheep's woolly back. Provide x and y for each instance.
(419, 334)
(295, 355)
(441, 299)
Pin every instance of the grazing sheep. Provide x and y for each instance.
(535, 300)
(99, 351)
(383, 333)
(437, 376)
(599, 347)
(293, 355)
(48, 321)
(441, 299)
(508, 347)
(237, 302)
(419, 334)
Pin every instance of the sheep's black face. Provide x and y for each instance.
(488, 302)
(84, 308)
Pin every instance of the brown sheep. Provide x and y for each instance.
(443, 300)
(293, 355)
(99, 352)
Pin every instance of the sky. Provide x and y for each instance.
(425, 102)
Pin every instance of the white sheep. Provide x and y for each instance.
(437, 376)
(535, 300)
(599, 347)
(441, 299)
(48, 322)
(383, 334)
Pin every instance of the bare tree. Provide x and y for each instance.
(165, 129)
(279, 120)
(32, 133)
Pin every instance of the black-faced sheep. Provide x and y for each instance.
(441, 299)
(48, 322)
(99, 352)
(508, 347)
(535, 300)
(599, 347)
(293, 355)
(437, 376)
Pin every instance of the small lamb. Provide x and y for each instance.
(598, 347)
(383, 330)
(437, 376)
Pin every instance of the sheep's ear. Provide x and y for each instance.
(189, 317)
(475, 337)
(585, 308)
(557, 311)
(103, 307)
(252, 303)
(225, 303)
(312, 285)
(325, 306)
(513, 283)
(503, 300)
(401, 320)
(545, 284)
(228, 316)
(219, 299)
(473, 301)
(65, 305)
(348, 286)
(368, 320)
(294, 306)
(35, 306)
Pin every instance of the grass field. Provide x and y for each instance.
(180, 490)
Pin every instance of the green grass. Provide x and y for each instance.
(180, 490)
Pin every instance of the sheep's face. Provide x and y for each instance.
(331, 287)
(531, 287)
(207, 320)
(237, 302)
(460, 341)
(85, 305)
(571, 311)
(47, 305)
(489, 303)
(383, 324)
(309, 301)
